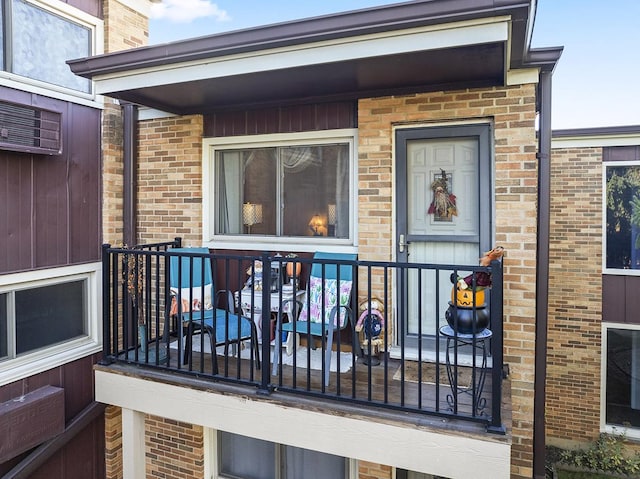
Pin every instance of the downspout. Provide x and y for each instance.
(129, 160)
(542, 277)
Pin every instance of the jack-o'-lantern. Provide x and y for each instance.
(464, 297)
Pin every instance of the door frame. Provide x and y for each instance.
(482, 132)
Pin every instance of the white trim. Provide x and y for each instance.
(629, 432)
(596, 141)
(133, 445)
(293, 244)
(408, 446)
(523, 76)
(145, 113)
(47, 358)
(432, 37)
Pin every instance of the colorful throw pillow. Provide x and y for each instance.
(312, 309)
(191, 299)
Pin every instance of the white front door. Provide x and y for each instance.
(443, 211)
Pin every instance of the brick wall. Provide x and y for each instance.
(170, 180)
(575, 297)
(512, 112)
(174, 450)
(113, 442)
(124, 28)
(370, 470)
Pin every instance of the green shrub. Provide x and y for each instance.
(606, 454)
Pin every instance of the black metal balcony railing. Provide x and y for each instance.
(452, 375)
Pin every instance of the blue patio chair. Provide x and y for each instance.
(327, 292)
(194, 302)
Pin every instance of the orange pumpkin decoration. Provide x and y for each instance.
(290, 272)
(464, 297)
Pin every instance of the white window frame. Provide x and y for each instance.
(75, 15)
(211, 464)
(629, 432)
(210, 146)
(35, 362)
(612, 271)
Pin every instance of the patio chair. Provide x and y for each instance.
(192, 291)
(324, 296)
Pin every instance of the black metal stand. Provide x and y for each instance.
(479, 348)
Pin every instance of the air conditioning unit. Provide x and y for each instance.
(30, 129)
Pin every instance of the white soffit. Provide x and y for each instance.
(437, 37)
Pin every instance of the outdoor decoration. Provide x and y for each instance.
(443, 206)
(467, 312)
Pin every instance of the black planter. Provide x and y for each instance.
(466, 320)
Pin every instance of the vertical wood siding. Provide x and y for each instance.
(289, 119)
(50, 206)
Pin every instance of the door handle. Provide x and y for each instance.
(402, 244)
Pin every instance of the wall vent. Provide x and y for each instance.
(30, 129)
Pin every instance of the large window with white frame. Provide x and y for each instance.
(38, 37)
(47, 318)
(274, 461)
(621, 395)
(622, 217)
(281, 187)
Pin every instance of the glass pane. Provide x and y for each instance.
(623, 378)
(312, 465)
(43, 42)
(246, 185)
(3, 326)
(623, 217)
(316, 190)
(245, 457)
(49, 315)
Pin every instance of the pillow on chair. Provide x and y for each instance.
(312, 309)
(196, 300)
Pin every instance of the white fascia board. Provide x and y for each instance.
(522, 76)
(595, 141)
(353, 48)
(420, 449)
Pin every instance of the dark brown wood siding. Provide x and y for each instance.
(51, 205)
(83, 456)
(621, 153)
(621, 299)
(288, 119)
(92, 7)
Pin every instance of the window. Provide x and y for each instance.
(47, 318)
(622, 387)
(294, 188)
(274, 461)
(622, 200)
(37, 41)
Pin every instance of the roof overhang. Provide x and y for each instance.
(424, 45)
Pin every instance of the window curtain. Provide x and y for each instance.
(342, 194)
(230, 221)
(298, 159)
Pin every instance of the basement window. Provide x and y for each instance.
(274, 461)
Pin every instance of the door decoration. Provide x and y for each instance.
(443, 205)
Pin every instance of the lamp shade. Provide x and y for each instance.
(331, 214)
(251, 214)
